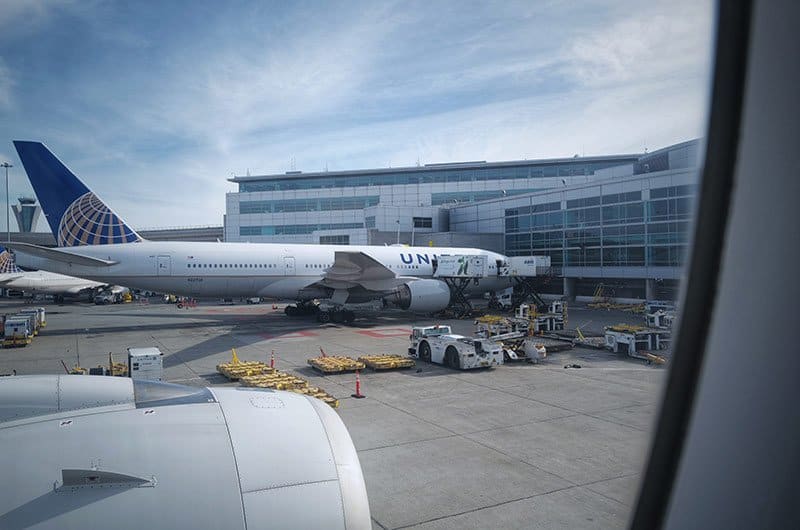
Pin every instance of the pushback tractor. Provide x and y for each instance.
(439, 345)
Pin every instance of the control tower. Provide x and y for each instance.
(27, 213)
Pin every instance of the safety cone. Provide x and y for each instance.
(272, 360)
(358, 394)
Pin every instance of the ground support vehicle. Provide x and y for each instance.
(17, 331)
(439, 345)
(660, 319)
(335, 364)
(637, 341)
(387, 361)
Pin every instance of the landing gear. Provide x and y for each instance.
(301, 309)
(329, 314)
(59, 299)
(336, 315)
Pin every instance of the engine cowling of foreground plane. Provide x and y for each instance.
(422, 296)
(146, 454)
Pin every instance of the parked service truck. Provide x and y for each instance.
(17, 331)
(146, 363)
(439, 345)
(39, 317)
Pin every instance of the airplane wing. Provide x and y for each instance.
(59, 255)
(81, 289)
(356, 269)
(9, 277)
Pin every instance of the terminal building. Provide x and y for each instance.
(625, 233)
(392, 205)
(617, 223)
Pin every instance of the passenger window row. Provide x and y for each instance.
(231, 266)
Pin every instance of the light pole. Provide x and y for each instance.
(8, 207)
(398, 231)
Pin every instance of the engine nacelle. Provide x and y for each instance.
(423, 296)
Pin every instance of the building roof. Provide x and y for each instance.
(622, 158)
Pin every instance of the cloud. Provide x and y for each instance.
(655, 41)
(155, 108)
(6, 85)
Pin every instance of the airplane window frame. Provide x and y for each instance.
(698, 291)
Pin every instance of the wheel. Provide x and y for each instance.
(451, 358)
(324, 317)
(424, 352)
(290, 310)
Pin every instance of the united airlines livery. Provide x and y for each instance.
(43, 282)
(96, 243)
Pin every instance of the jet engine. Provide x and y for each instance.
(143, 454)
(422, 296)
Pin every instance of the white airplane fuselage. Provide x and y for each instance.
(44, 282)
(270, 270)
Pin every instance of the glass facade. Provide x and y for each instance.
(432, 174)
(334, 240)
(294, 229)
(308, 205)
(472, 196)
(619, 230)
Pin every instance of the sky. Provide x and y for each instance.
(155, 106)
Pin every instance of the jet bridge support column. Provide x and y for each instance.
(569, 289)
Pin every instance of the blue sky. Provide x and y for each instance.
(155, 106)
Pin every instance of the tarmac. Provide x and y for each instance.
(517, 446)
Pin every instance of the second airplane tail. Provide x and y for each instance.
(7, 263)
(76, 215)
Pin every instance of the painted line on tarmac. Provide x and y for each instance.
(386, 332)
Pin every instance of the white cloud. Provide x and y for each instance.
(653, 41)
(371, 86)
(6, 85)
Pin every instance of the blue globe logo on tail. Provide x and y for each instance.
(87, 221)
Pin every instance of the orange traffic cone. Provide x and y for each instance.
(358, 394)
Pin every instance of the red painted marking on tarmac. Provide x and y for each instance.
(385, 333)
(238, 311)
(290, 335)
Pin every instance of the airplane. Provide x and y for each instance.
(96, 243)
(43, 282)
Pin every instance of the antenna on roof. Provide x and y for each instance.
(292, 163)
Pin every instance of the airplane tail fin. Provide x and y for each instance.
(76, 215)
(8, 264)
